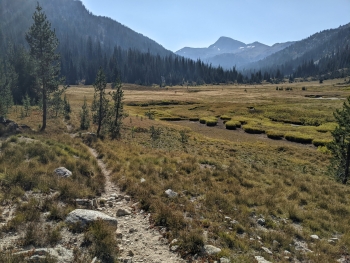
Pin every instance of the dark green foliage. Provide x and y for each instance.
(84, 116)
(8, 81)
(100, 102)
(116, 112)
(26, 105)
(66, 108)
(155, 133)
(340, 146)
(43, 43)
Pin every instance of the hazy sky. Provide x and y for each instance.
(199, 23)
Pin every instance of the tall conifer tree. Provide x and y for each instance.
(43, 44)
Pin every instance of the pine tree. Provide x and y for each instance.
(100, 102)
(117, 110)
(26, 105)
(43, 43)
(66, 108)
(340, 146)
(8, 81)
(84, 116)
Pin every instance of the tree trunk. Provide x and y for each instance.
(44, 109)
(347, 164)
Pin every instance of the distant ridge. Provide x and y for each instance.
(227, 52)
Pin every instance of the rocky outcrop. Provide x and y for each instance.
(84, 217)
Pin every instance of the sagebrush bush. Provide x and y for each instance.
(101, 241)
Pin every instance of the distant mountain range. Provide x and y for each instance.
(228, 52)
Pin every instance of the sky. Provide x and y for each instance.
(199, 23)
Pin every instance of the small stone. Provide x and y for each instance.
(143, 180)
(127, 198)
(268, 251)
(261, 221)
(110, 204)
(63, 172)
(224, 260)
(130, 253)
(123, 212)
(174, 248)
(315, 237)
(170, 193)
(132, 230)
(286, 252)
(118, 234)
(211, 250)
(261, 259)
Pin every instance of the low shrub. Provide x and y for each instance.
(232, 125)
(321, 142)
(192, 241)
(194, 119)
(209, 121)
(275, 135)
(326, 127)
(253, 129)
(298, 137)
(225, 118)
(101, 241)
(170, 119)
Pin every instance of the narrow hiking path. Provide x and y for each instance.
(138, 240)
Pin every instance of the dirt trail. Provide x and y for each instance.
(139, 242)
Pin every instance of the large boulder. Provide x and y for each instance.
(63, 172)
(84, 217)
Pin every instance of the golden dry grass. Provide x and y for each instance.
(219, 172)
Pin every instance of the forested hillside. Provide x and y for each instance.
(87, 43)
(320, 48)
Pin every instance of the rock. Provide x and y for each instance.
(130, 253)
(211, 250)
(224, 260)
(174, 248)
(261, 259)
(84, 217)
(110, 204)
(94, 260)
(63, 172)
(60, 254)
(174, 241)
(83, 202)
(286, 252)
(123, 212)
(301, 246)
(261, 221)
(118, 234)
(132, 230)
(143, 180)
(275, 243)
(170, 193)
(315, 237)
(268, 251)
(127, 198)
